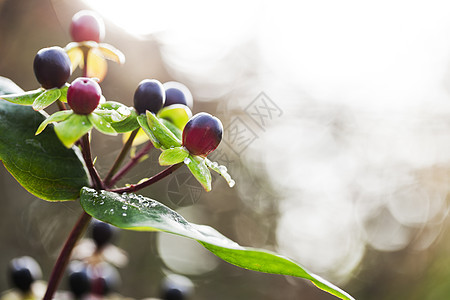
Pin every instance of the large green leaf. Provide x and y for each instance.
(135, 212)
(41, 164)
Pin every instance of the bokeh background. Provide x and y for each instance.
(337, 133)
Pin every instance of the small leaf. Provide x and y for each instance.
(75, 55)
(161, 132)
(63, 90)
(72, 129)
(122, 118)
(25, 98)
(178, 114)
(101, 124)
(142, 120)
(56, 117)
(96, 65)
(200, 171)
(222, 170)
(138, 213)
(173, 156)
(111, 53)
(175, 130)
(46, 98)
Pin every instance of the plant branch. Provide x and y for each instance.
(125, 169)
(120, 158)
(64, 256)
(149, 181)
(61, 105)
(86, 151)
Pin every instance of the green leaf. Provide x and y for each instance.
(178, 114)
(101, 124)
(175, 130)
(122, 118)
(23, 98)
(173, 156)
(63, 90)
(161, 132)
(142, 120)
(222, 170)
(46, 98)
(56, 117)
(72, 129)
(40, 163)
(135, 212)
(200, 171)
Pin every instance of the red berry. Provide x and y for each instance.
(52, 67)
(202, 134)
(177, 93)
(84, 95)
(150, 96)
(87, 26)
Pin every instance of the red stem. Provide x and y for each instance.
(125, 169)
(120, 158)
(64, 256)
(151, 180)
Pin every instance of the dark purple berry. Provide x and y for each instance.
(176, 287)
(84, 95)
(149, 95)
(177, 93)
(102, 233)
(87, 26)
(23, 271)
(202, 134)
(52, 67)
(80, 278)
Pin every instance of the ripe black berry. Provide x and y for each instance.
(52, 67)
(177, 93)
(149, 95)
(80, 278)
(102, 233)
(84, 95)
(87, 26)
(176, 287)
(23, 271)
(202, 134)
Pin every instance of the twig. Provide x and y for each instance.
(125, 169)
(64, 256)
(120, 158)
(151, 180)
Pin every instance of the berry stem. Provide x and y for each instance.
(61, 105)
(120, 159)
(64, 256)
(80, 226)
(125, 169)
(85, 57)
(136, 187)
(86, 151)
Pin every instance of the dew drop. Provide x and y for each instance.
(124, 207)
(231, 183)
(187, 160)
(124, 214)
